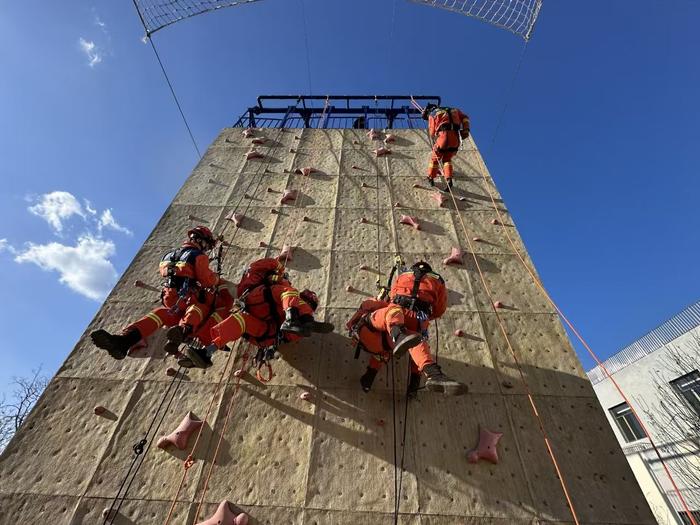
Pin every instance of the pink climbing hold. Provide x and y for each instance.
(248, 133)
(99, 410)
(494, 221)
(397, 205)
(498, 304)
(380, 152)
(292, 150)
(456, 257)
(297, 137)
(365, 185)
(254, 154)
(364, 267)
(288, 196)
(273, 211)
(363, 220)
(380, 422)
(246, 196)
(286, 253)
(238, 373)
(355, 167)
(259, 140)
(262, 244)
(225, 515)
(182, 433)
(171, 372)
(236, 218)
(305, 218)
(305, 396)
(462, 199)
(410, 221)
(141, 284)
(476, 239)
(459, 333)
(389, 139)
(305, 171)
(417, 186)
(439, 197)
(486, 449)
(373, 134)
(269, 190)
(349, 288)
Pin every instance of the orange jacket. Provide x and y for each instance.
(448, 119)
(368, 305)
(188, 261)
(263, 271)
(431, 291)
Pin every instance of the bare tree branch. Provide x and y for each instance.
(14, 411)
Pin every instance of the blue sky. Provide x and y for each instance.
(596, 156)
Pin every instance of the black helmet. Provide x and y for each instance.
(428, 108)
(422, 267)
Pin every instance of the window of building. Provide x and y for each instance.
(627, 423)
(688, 387)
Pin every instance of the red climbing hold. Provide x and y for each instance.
(456, 257)
(262, 244)
(288, 196)
(99, 410)
(254, 154)
(410, 221)
(459, 333)
(141, 284)
(498, 304)
(269, 190)
(389, 139)
(286, 253)
(486, 449)
(259, 140)
(305, 396)
(273, 211)
(305, 219)
(171, 372)
(494, 221)
(373, 134)
(236, 218)
(439, 197)
(248, 133)
(380, 152)
(225, 515)
(182, 433)
(380, 422)
(305, 171)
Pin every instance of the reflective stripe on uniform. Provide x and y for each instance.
(194, 308)
(241, 321)
(153, 317)
(289, 294)
(217, 317)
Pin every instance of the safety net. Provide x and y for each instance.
(517, 16)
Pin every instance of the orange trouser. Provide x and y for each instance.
(376, 339)
(434, 165)
(235, 326)
(187, 310)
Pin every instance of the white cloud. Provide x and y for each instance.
(56, 207)
(107, 220)
(5, 246)
(89, 208)
(85, 268)
(93, 53)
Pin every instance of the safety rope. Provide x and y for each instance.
(237, 387)
(585, 344)
(502, 327)
(141, 449)
(190, 460)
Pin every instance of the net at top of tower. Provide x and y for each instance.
(516, 16)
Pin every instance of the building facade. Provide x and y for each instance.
(660, 376)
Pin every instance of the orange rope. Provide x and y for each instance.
(189, 461)
(246, 355)
(539, 284)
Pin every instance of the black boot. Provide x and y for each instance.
(413, 385)
(448, 186)
(439, 382)
(431, 181)
(367, 379)
(403, 341)
(293, 324)
(310, 325)
(197, 357)
(176, 335)
(116, 344)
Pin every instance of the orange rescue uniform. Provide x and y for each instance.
(446, 125)
(184, 299)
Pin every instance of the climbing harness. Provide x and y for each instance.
(261, 361)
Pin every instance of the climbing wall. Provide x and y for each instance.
(309, 447)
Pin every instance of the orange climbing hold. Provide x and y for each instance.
(380, 152)
(486, 449)
(456, 257)
(254, 154)
(410, 221)
(236, 218)
(182, 433)
(288, 196)
(305, 171)
(226, 515)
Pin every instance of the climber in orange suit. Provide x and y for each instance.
(446, 126)
(384, 329)
(273, 311)
(188, 295)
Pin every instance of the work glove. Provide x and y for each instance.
(464, 134)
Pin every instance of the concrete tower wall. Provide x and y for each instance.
(330, 460)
